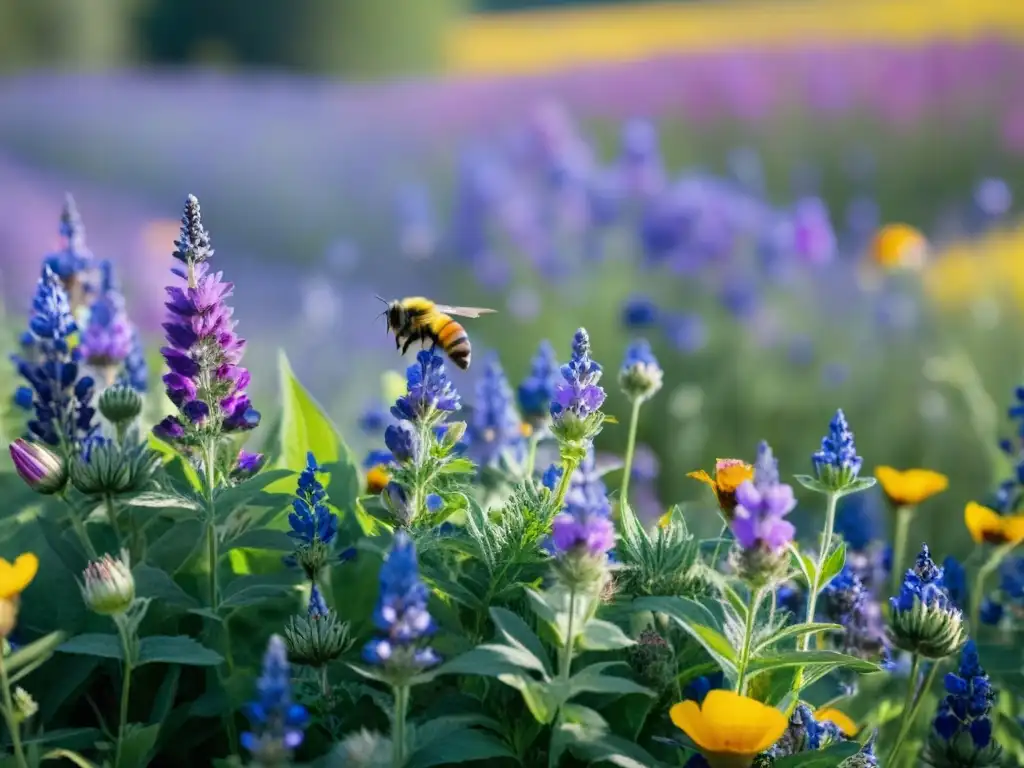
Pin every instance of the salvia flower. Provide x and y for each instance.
(837, 464)
(404, 443)
(805, 733)
(923, 618)
(758, 521)
(109, 336)
(135, 372)
(401, 615)
(537, 390)
(108, 586)
(575, 409)
(42, 470)
(64, 417)
(313, 524)
(247, 465)
(845, 601)
(203, 354)
(276, 722)
(640, 377)
(962, 730)
(495, 431)
(430, 396)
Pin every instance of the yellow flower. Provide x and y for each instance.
(899, 246)
(14, 578)
(729, 475)
(729, 729)
(841, 720)
(377, 478)
(909, 487)
(989, 527)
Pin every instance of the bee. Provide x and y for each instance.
(417, 318)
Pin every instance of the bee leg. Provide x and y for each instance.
(408, 342)
(398, 343)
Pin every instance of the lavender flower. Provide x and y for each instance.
(64, 417)
(845, 601)
(247, 465)
(639, 312)
(805, 734)
(538, 389)
(430, 396)
(758, 522)
(313, 525)
(401, 614)
(495, 429)
(109, 337)
(276, 722)
(578, 397)
(206, 381)
(640, 376)
(837, 464)
(135, 373)
(582, 534)
(962, 729)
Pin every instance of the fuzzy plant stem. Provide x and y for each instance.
(398, 727)
(568, 470)
(812, 595)
(904, 516)
(531, 454)
(748, 638)
(986, 570)
(127, 645)
(565, 662)
(79, 528)
(108, 502)
(912, 705)
(627, 469)
(11, 717)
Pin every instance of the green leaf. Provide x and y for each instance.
(161, 500)
(458, 466)
(516, 633)
(67, 754)
(825, 758)
(262, 538)
(230, 500)
(462, 746)
(803, 563)
(492, 660)
(796, 630)
(93, 644)
(175, 548)
(69, 738)
(137, 745)
(699, 623)
(163, 701)
(600, 635)
(35, 653)
(177, 649)
(599, 747)
(833, 565)
(828, 660)
(538, 696)
(812, 484)
(156, 584)
(252, 590)
(858, 485)
(593, 679)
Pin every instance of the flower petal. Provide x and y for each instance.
(687, 717)
(741, 725)
(840, 719)
(14, 578)
(982, 522)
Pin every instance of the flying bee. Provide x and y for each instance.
(417, 318)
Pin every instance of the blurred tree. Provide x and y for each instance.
(83, 34)
(358, 38)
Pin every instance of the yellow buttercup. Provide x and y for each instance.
(16, 576)
(987, 526)
(729, 475)
(841, 720)
(909, 487)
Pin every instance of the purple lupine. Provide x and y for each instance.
(762, 505)
(109, 337)
(578, 392)
(73, 261)
(205, 381)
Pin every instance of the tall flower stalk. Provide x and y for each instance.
(535, 394)
(640, 378)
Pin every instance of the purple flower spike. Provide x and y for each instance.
(206, 380)
(761, 507)
(109, 337)
(594, 534)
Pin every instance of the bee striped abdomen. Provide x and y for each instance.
(454, 340)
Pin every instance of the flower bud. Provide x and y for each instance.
(120, 404)
(24, 705)
(43, 470)
(929, 630)
(759, 566)
(397, 502)
(106, 469)
(366, 749)
(316, 640)
(640, 376)
(453, 433)
(959, 752)
(403, 442)
(653, 661)
(313, 557)
(109, 587)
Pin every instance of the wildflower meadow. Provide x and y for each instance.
(655, 525)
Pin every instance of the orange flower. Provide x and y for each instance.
(377, 479)
(909, 487)
(899, 246)
(989, 527)
(729, 475)
(841, 720)
(729, 729)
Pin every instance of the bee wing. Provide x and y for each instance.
(463, 311)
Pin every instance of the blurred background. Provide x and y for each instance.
(710, 174)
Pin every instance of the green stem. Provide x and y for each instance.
(83, 535)
(977, 594)
(904, 516)
(531, 455)
(718, 544)
(565, 662)
(398, 727)
(912, 705)
(10, 716)
(325, 683)
(568, 470)
(108, 502)
(126, 684)
(627, 470)
(748, 634)
(812, 595)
